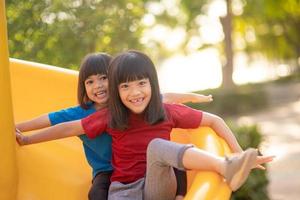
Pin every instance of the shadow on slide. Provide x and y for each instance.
(58, 169)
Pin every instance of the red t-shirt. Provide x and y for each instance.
(129, 147)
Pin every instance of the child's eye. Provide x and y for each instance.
(102, 77)
(123, 86)
(143, 82)
(88, 82)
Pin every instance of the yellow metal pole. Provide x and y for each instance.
(8, 166)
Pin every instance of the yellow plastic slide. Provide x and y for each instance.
(51, 170)
(58, 169)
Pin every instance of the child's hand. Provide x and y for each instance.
(21, 139)
(202, 98)
(209, 98)
(261, 160)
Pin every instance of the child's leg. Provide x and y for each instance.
(100, 186)
(181, 180)
(129, 191)
(162, 156)
(234, 169)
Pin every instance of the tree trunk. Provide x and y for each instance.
(228, 66)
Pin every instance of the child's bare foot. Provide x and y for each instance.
(238, 167)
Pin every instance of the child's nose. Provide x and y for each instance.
(99, 84)
(135, 91)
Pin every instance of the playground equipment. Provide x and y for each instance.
(58, 169)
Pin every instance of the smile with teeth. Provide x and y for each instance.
(100, 94)
(137, 101)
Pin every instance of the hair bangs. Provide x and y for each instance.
(95, 64)
(133, 68)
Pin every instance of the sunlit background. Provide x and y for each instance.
(202, 69)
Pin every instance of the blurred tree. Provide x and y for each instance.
(62, 32)
(189, 17)
(226, 22)
(255, 26)
(272, 28)
(196, 9)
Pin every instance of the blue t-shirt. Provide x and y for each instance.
(98, 150)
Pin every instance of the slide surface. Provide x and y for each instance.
(58, 169)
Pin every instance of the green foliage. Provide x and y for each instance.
(247, 136)
(275, 27)
(240, 100)
(254, 188)
(62, 32)
(256, 184)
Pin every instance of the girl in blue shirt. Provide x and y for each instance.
(92, 95)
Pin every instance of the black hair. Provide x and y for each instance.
(130, 66)
(92, 64)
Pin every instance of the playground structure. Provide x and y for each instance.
(58, 169)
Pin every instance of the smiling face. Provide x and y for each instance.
(135, 95)
(133, 88)
(96, 87)
(92, 81)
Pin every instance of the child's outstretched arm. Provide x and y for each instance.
(186, 97)
(221, 128)
(34, 124)
(58, 131)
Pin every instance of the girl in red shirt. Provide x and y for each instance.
(140, 126)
